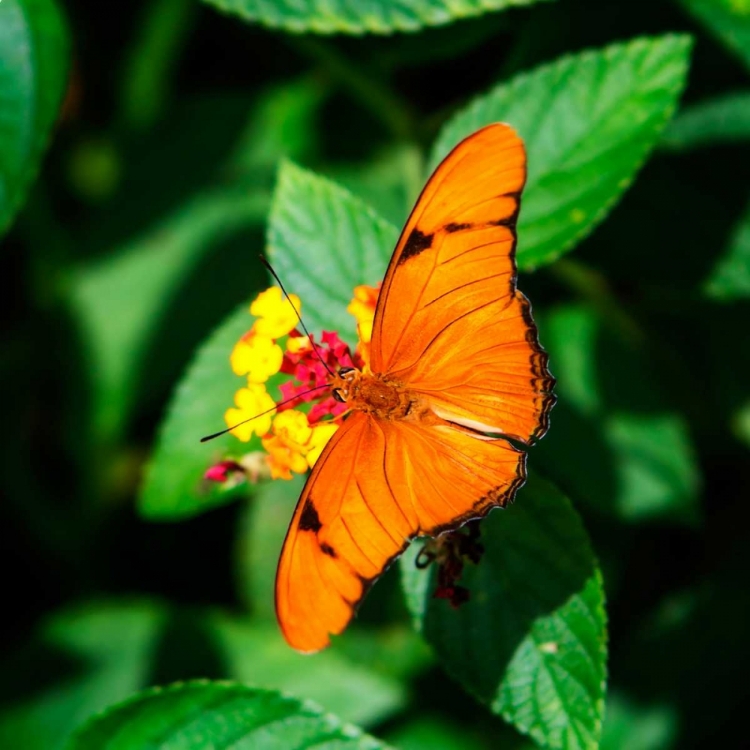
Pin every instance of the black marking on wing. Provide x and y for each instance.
(456, 227)
(417, 243)
(309, 519)
(326, 549)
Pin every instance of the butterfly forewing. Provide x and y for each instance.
(450, 322)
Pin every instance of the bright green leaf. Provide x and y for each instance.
(220, 716)
(375, 16)
(730, 278)
(173, 484)
(81, 661)
(259, 655)
(728, 20)
(33, 74)
(531, 641)
(322, 241)
(119, 300)
(613, 444)
(589, 122)
(723, 119)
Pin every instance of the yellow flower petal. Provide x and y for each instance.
(283, 460)
(251, 402)
(298, 344)
(292, 427)
(256, 356)
(275, 314)
(321, 434)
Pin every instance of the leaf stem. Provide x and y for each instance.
(372, 93)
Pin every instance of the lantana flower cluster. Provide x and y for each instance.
(292, 437)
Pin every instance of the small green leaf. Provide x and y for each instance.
(322, 241)
(33, 73)
(531, 641)
(374, 16)
(173, 485)
(80, 661)
(730, 279)
(220, 716)
(728, 20)
(723, 119)
(615, 443)
(589, 122)
(119, 300)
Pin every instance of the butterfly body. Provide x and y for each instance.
(455, 369)
(379, 396)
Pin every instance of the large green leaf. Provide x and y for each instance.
(323, 242)
(730, 278)
(723, 119)
(375, 16)
(589, 122)
(220, 716)
(531, 641)
(728, 20)
(119, 300)
(82, 660)
(33, 72)
(615, 443)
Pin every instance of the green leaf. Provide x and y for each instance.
(33, 73)
(630, 726)
(323, 242)
(161, 35)
(220, 716)
(119, 301)
(374, 16)
(173, 486)
(589, 122)
(257, 653)
(82, 660)
(261, 534)
(531, 641)
(434, 732)
(728, 20)
(282, 123)
(730, 278)
(614, 441)
(722, 119)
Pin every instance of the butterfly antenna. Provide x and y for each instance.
(299, 317)
(262, 414)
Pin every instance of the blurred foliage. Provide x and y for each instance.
(150, 152)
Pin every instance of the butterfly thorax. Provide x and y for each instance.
(375, 394)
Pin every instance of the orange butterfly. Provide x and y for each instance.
(455, 362)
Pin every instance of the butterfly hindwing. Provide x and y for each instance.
(377, 485)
